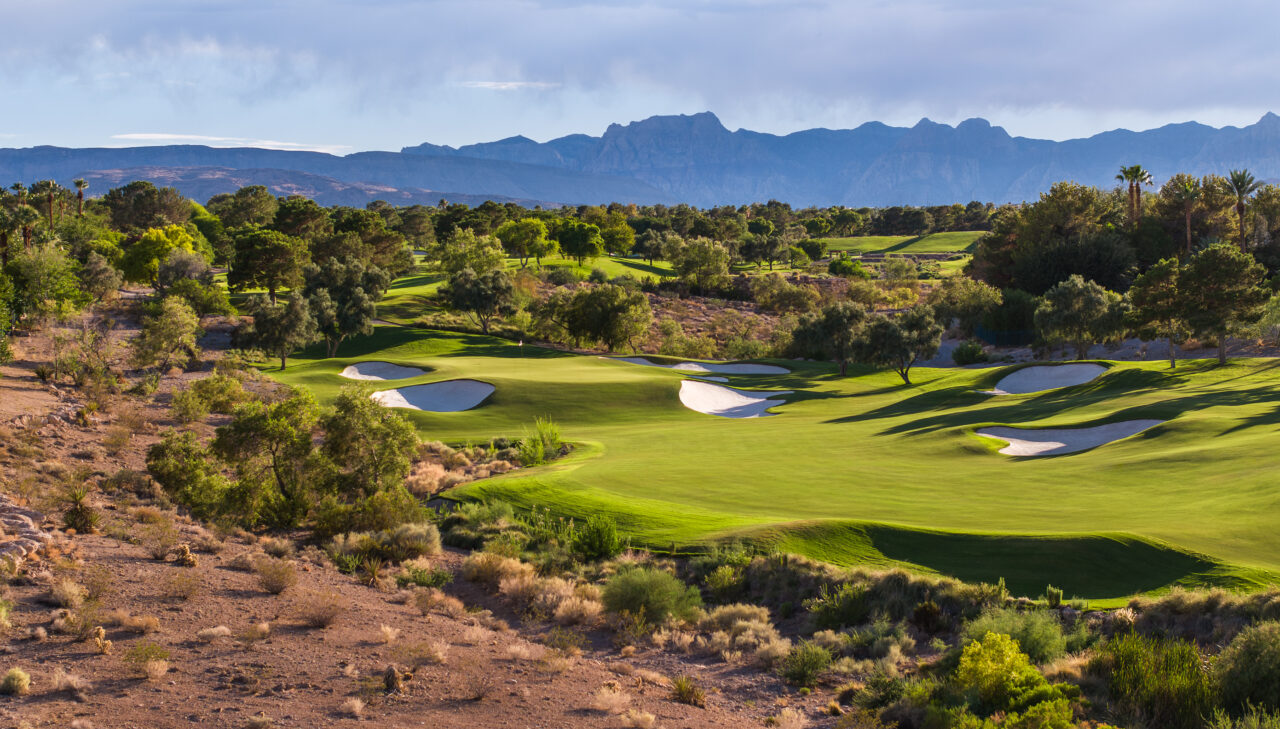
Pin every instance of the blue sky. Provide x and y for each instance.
(344, 75)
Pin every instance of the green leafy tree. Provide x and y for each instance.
(45, 283)
(1223, 293)
(608, 314)
(1157, 306)
(141, 205)
(302, 217)
(618, 240)
(167, 337)
(141, 260)
(251, 205)
(270, 447)
(467, 250)
(898, 342)
(374, 445)
(268, 259)
(1241, 184)
(280, 328)
(1080, 313)
(343, 296)
(484, 296)
(375, 243)
(964, 300)
(99, 278)
(190, 474)
(831, 333)
(580, 240)
(1135, 176)
(1185, 193)
(523, 239)
(700, 262)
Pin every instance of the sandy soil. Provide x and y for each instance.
(380, 371)
(450, 396)
(1046, 377)
(728, 402)
(1057, 441)
(711, 367)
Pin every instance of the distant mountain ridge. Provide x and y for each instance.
(693, 159)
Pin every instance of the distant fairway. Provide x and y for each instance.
(862, 470)
(954, 242)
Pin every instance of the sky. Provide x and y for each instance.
(348, 75)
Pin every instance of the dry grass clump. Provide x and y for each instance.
(254, 633)
(141, 624)
(245, 561)
(687, 691)
(475, 635)
(788, 719)
(610, 699)
(183, 585)
(578, 611)
(492, 569)
(725, 617)
(280, 548)
(429, 600)
(67, 593)
(208, 635)
(520, 652)
(388, 634)
(555, 662)
(159, 537)
(275, 575)
(260, 721)
(654, 678)
(1066, 668)
(637, 719)
(322, 609)
(70, 683)
(353, 707)
(424, 653)
(16, 682)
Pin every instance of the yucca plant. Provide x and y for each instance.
(80, 516)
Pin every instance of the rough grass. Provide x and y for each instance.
(865, 471)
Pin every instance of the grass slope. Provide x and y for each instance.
(951, 242)
(862, 470)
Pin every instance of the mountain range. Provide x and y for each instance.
(686, 158)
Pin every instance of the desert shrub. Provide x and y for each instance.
(805, 663)
(1038, 632)
(967, 353)
(728, 617)
(219, 393)
(322, 609)
(577, 611)
(562, 276)
(1053, 596)
(151, 660)
(1155, 681)
(995, 676)
(16, 682)
(80, 514)
(159, 538)
(382, 511)
(653, 593)
(492, 568)
(1251, 719)
(843, 606)
(188, 406)
(687, 691)
(597, 539)
(183, 585)
(424, 577)
(1248, 670)
(275, 575)
(67, 593)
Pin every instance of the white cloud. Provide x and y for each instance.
(212, 141)
(508, 85)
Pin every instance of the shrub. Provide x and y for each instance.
(655, 594)
(1248, 670)
(16, 682)
(188, 406)
(967, 353)
(997, 677)
(562, 276)
(275, 575)
(1038, 632)
(159, 538)
(597, 539)
(805, 663)
(842, 607)
(80, 515)
(150, 659)
(610, 699)
(322, 609)
(1053, 596)
(424, 577)
(686, 691)
(1252, 719)
(492, 568)
(66, 593)
(1155, 681)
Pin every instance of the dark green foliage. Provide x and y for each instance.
(597, 539)
(898, 342)
(343, 295)
(266, 259)
(654, 593)
(562, 276)
(1038, 632)
(1155, 681)
(607, 314)
(140, 205)
(805, 663)
(484, 296)
(1222, 291)
(843, 606)
(204, 299)
(421, 577)
(685, 690)
(1053, 596)
(80, 514)
(1080, 313)
(831, 333)
(930, 618)
(967, 353)
(187, 472)
(1248, 670)
(279, 328)
(580, 240)
(372, 446)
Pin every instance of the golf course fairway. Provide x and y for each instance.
(862, 470)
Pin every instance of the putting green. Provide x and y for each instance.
(951, 242)
(862, 470)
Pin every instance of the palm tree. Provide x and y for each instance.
(1135, 176)
(81, 186)
(24, 217)
(1187, 193)
(48, 188)
(1242, 185)
(6, 225)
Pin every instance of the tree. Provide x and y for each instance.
(182, 265)
(81, 186)
(580, 240)
(141, 261)
(266, 258)
(831, 333)
(24, 218)
(1242, 185)
(523, 238)
(1135, 176)
(280, 328)
(343, 296)
(167, 337)
(701, 262)
(467, 250)
(1222, 291)
(99, 278)
(1186, 193)
(900, 341)
(965, 300)
(1157, 306)
(270, 447)
(46, 189)
(375, 445)
(618, 239)
(45, 282)
(1080, 313)
(251, 205)
(302, 217)
(483, 296)
(378, 245)
(651, 244)
(608, 314)
(141, 205)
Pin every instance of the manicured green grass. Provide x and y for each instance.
(864, 470)
(952, 242)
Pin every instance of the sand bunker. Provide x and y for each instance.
(727, 402)
(380, 371)
(449, 396)
(712, 367)
(1052, 442)
(1046, 377)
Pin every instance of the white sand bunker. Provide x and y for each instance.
(1033, 442)
(449, 396)
(712, 367)
(727, 402)
(1046, 377)
(380, 371)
